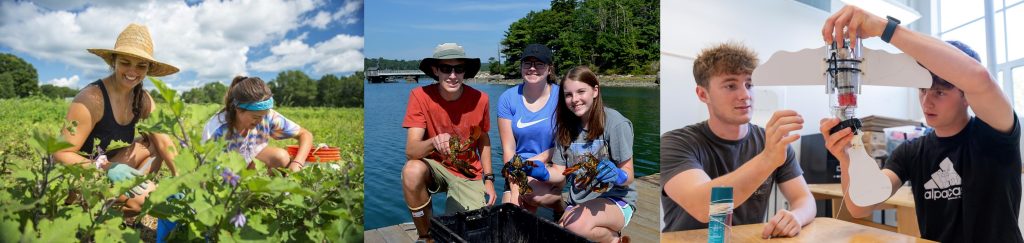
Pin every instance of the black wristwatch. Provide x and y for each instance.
(890, 28)
(489, 177)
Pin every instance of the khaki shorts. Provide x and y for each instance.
(463, 194)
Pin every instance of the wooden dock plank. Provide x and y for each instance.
(400, 233)
(645, 224)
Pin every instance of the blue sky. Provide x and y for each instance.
(409, 29)
(208, 41)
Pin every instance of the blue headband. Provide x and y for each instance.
(258, 106)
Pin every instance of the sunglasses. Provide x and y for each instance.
(537, 65)
(444, 68)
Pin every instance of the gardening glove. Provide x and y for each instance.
(176, 196)
(163, 229)
(608, 172)
(164, 226)
(121, 172)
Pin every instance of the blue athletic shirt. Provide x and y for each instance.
(534, 131)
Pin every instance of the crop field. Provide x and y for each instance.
(213, 198)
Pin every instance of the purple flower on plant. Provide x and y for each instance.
(238, 220)
(229, 177)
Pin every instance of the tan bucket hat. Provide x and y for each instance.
(134, 41)
(450, 51)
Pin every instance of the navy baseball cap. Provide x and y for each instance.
(538, 51)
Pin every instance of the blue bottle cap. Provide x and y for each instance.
(721, 194)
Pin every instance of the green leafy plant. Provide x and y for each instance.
(223, 200)
(215, 196)
(47, 201)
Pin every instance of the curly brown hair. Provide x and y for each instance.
(725, 58)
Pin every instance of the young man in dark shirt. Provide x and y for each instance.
(965, 172)
(727, 150)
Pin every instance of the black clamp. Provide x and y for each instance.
(853, 123)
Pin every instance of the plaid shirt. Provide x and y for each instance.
(252, 142)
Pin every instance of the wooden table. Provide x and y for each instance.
(902, 201)
(820, 230)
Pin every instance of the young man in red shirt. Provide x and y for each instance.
(439, 116)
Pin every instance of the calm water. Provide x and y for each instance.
(385, 143)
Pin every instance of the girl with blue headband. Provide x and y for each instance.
(248, 121)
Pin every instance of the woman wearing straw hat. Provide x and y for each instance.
(108, 109)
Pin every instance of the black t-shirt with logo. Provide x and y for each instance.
(697, 147)
(966, 187)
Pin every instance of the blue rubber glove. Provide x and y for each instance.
(122, 172)
(608, 172)
(533, 168)
(537, 170)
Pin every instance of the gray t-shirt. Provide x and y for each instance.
(697, 147)
(615, 144)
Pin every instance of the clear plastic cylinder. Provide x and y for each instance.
(843, 78)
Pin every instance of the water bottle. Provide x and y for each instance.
(721, 215)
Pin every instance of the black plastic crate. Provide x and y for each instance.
(499, 223)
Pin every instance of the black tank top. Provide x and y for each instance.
(107, 129)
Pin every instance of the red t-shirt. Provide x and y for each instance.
(428, 110)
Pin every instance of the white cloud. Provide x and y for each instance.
(70, 82)
(210, 38)
(320, 21)
(346, 15)
(342, 53)
(77, 4)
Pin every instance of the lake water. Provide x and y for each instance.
(385, 142)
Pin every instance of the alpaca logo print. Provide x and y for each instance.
(945, 183)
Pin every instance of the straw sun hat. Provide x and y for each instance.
(134, 41)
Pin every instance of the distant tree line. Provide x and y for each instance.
(294, 88)
(389, 64)
(610, 36)
(18, 79)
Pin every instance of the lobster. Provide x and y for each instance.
(584, 171)
(517, 176)
(461, 152)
